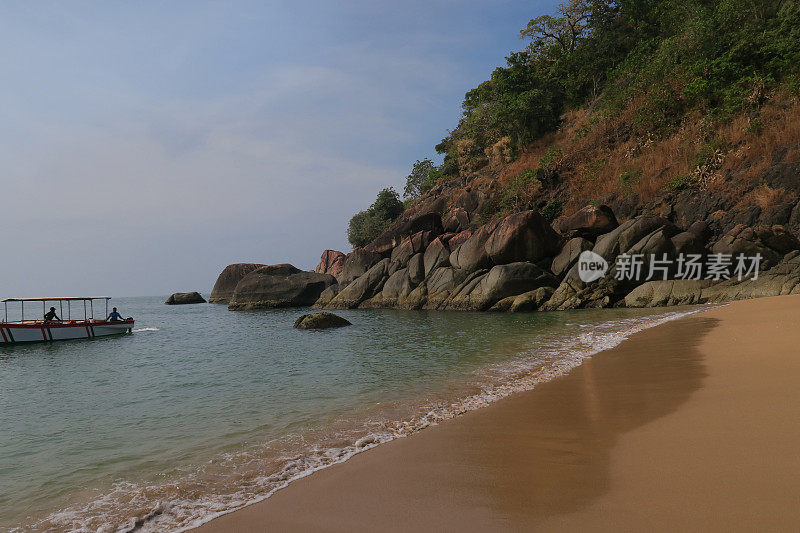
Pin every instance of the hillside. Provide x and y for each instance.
(650, 128)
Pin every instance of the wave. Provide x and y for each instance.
(235, 480)
(145, 329)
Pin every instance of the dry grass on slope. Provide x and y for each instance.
(600, 156)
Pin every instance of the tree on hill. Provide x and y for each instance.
(366, 225)
(423, 176)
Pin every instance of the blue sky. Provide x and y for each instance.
(145, 145)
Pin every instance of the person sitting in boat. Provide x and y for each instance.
(113, 316)
(51, 315)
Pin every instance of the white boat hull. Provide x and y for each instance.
(13, 333)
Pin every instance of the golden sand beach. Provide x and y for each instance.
(688, 426)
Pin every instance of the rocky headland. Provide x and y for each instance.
(522, 263)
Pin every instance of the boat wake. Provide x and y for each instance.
(138, 330)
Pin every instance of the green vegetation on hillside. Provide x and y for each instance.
(666, 57)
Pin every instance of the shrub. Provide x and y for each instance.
(680, 183)
(520, 191)
(552, 210)
(628, 178)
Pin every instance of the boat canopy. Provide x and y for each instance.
(53, 299)
(88, 311)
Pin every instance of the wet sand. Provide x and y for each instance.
(692, 425)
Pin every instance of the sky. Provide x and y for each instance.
(146, 145)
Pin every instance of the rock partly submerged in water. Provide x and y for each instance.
(228, 279)
(321, 320)
(279, 286)
(182, 298)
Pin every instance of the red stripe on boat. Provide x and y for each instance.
(5, 339)
(88, 335)
(44, 334)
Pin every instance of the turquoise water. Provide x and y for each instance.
(202, 410)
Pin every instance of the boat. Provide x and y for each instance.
(41, 330)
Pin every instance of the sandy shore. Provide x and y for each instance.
(689, 426)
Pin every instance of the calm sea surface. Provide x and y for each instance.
(202, 410)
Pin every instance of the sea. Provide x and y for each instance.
(201, 411)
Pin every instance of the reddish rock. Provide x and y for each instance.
(227, 280)
(331, 262)
(458, 239)
(589, 222)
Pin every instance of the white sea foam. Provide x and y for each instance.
(145, 329)
(253, 478)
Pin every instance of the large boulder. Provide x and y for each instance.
(440, 284)
(782, 279)
(660, 293)
(589, 222)
(416, 268)
(182, 298)
(692, 241)
(227, 280)
(772, 242)
(527, 301)
(525, 236)
(437, 254)
(472, 254)
(500, 282)
(645, 234)
(364, 287)
(321, 320)
(396, 288)
(569, 255)
(279, 286)
(357, 263)
(331, 262)
(622, 239)
(531, 300)
(327, 295)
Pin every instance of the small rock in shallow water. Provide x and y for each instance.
(320, 320)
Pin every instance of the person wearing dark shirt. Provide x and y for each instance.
(113, 316)
(51, 315)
